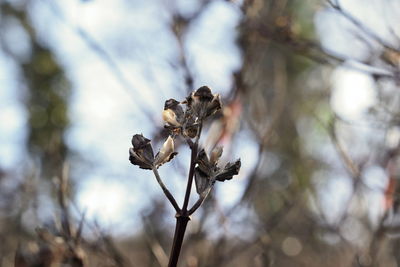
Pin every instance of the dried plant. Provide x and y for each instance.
(185, 120)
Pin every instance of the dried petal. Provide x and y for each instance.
(166, 152)
(216, 154)
(169, 117)
(229, 171)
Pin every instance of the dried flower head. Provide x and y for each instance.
(200, 104)
(142, 154)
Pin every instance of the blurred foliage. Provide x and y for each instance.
(284, 97)
(45, 92)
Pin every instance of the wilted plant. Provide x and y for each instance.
(185, 120)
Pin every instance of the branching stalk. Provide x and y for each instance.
(183, 216)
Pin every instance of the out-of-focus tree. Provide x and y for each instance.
(45, 91)
(311, 159)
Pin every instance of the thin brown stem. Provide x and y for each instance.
(166, 191)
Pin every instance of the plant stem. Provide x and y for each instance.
(166, 191)
(182, 217)
(190, 178)
(193, 159)
(180, 228)
(199, 202)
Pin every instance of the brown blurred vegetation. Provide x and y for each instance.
(282, 83)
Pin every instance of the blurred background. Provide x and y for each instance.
(311, 106)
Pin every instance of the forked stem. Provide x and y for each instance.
(182, 217)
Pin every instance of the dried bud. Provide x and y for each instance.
(198, 100)
(139, 141)
(216, 154)
(229, 171)
(166, 152)
(203, 94)
(171, 103)
(169, 117)
(141, 153)
(175, 106)
(202, 103)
